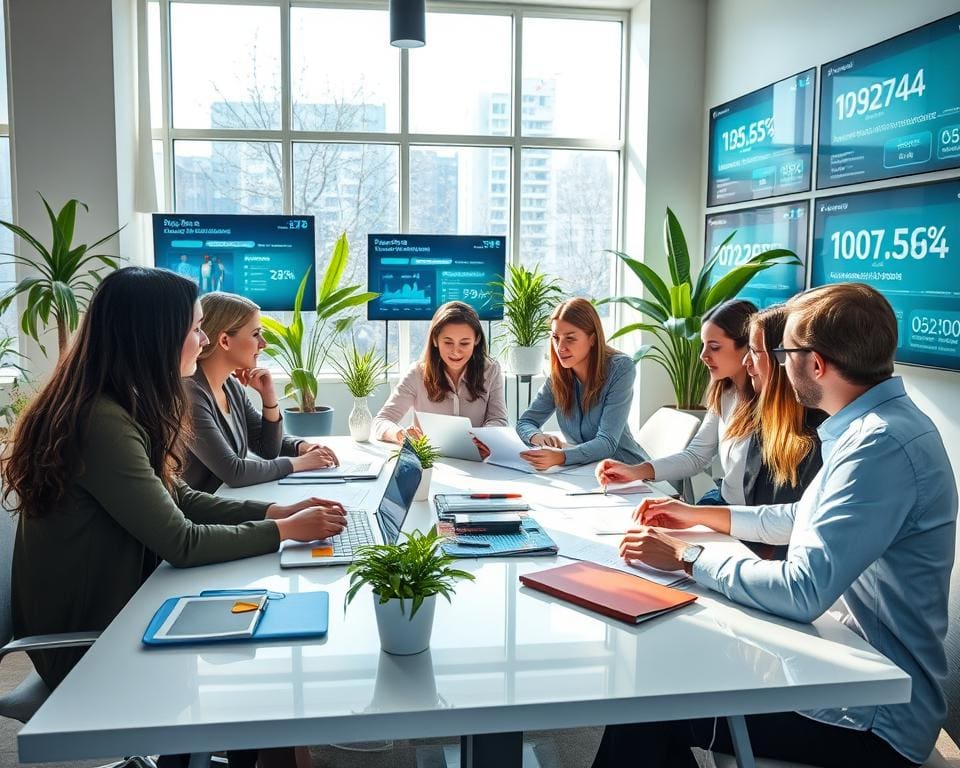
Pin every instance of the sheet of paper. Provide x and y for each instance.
(352, 495)
(576, 548)
(505, 446)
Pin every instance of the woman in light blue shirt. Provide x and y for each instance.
(590, 388)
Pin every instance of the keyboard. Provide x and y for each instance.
(357, 534)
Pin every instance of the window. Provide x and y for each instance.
(8, 275)
(535, 155)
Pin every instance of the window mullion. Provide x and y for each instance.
(286, 110)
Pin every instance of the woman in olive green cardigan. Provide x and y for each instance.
(94, 470)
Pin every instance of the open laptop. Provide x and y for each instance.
(450, 434)
(390, 515)
(367, 468)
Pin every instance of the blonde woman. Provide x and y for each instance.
(590, 389)
(226, 425)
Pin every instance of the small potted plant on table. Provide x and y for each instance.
(428, 454)
(406, 578)
(362, 373)
(528, 298)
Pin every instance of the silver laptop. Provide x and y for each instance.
(367, 468)
(390, 515)
(450, 434)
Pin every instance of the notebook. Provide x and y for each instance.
(237, 616)
(613, 593)
(449, 504)
(390, 515)
(449, 434)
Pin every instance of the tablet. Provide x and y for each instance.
(198, 617)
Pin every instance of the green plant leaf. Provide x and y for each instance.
(334, 271)
(703, 279)
(641, 305)
(678, 256)
(650, 279)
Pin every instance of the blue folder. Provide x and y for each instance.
(291, 616)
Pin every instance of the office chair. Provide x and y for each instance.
(668, 431)
(22, 702)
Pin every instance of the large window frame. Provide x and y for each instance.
(404, 139)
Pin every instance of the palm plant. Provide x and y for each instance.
(675, 310)
(408, 570)
(63, 288)
(527, 298)
(361, 372)
(301, 354)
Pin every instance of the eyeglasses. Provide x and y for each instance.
(780, 353)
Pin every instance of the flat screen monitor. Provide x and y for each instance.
(415, 274)
(757, 230)
(892, 109)
(263, 258)
(905, 242)
(761, 144)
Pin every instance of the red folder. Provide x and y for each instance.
(613, 593)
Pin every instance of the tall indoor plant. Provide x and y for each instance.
(406, 578)
(302, 353)
(674, 310)
(68, 275)
(362, 373)
(528, 298)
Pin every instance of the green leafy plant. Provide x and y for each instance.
(19, 399)
(65, 283)
(528, 298)
(362, 372)
(675, 310)
(413, 569)
(421, 446)
(301, 354)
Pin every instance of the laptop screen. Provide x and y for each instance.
(399, 494)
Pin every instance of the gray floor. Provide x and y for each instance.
(554, 749)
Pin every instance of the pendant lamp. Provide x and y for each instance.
(408, 23)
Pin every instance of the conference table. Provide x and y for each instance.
(503, 658)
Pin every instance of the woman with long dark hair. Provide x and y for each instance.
(725, 430)
(94, 470)
(455, 376)
(590, 388)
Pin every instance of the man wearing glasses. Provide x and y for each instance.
(875, 530)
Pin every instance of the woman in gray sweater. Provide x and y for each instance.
(233, 442)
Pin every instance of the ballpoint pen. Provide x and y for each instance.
(496, 495)
(468, 543)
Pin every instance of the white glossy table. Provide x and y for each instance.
(503, 659)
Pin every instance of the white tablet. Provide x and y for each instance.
(212, 617)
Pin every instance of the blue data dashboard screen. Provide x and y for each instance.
(892, 109)
(415, 274)
(761, 145)
(263, 258)
(905, 242)
(758, 230)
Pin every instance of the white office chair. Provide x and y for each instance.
(666, 432)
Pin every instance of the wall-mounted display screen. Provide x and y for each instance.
(761, 143)
(903, 242)
(892, 109)
(261, 257)
(758, 230)
(415, 274)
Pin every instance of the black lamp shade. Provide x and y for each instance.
(408, 23)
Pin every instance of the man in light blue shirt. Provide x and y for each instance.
(875, 530)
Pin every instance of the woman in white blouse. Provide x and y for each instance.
(453, 377)
(725, 332)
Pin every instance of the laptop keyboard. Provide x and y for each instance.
(357, 534)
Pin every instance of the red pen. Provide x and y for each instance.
(496, 495)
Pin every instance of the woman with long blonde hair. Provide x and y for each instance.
(590, 388)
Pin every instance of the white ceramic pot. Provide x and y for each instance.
(360, 420)
(526, 361)
(400, 634)
(423, 490)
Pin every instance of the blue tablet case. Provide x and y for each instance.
(300, 615)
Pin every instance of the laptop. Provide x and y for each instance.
(367, 468)
(394, 505)
(450, 434)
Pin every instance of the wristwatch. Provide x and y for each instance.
(689, 556)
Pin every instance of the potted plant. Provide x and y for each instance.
(362, 373)
(406, 578)
(528, 298)
(17, 398)
(675, 310)
(427, 454)
(65, 281)
(301, 353)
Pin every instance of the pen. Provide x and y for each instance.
(594, 492)
(467, 543)
(496, 495)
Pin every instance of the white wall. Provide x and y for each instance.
(751, 43)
